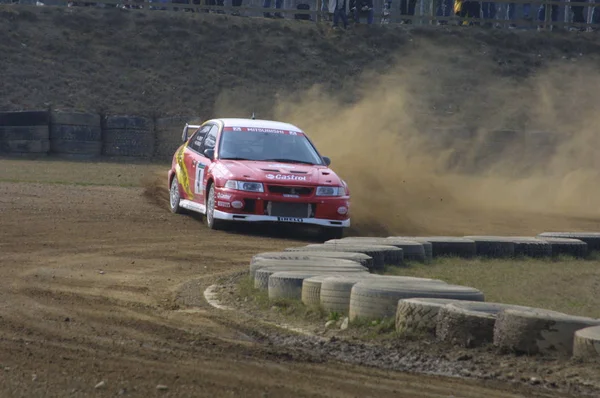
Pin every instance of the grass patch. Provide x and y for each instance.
(563, 284)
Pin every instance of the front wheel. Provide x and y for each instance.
(175, 197)
(210, 211)
(328, 233)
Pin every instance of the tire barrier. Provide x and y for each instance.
(418, 316)
(493, 246)
(362, 259)
(75, 134)
(377, 252)
(335, 293)
(391, 255)
(375, 300)
(288, 284)
(531, 247)
(591, 238)
(312, 262)
(311, 289)
(538, 331)
(586, 343)
(24, 132)
(128, 136)
(261, 277)
(412, 251)
(469, 324)
(427, 246)
(568, 247)
(444, 246)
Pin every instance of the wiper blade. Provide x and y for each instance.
(288, 161)
(235, 159)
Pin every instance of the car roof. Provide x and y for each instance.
(270, 124)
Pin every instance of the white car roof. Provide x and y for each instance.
(270, 124)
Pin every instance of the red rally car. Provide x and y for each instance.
(256, 171)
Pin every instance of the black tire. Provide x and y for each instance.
(451, 246)
(75, 119)
(121, 122)
(25, 146)
(591, 238)
(493, 246)
(211, 222)
(568, 247)
(63, 132)
(175, 196)
(27, 133)
(84, 148)
(25, 118)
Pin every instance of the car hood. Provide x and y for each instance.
(278, 173)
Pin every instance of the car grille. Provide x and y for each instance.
(282, 209)
(283, 190)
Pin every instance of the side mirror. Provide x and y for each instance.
(209, 153)
(327, 160)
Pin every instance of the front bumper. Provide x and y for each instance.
(235, 205)
(221, 215)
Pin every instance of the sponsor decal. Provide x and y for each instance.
(223, 204)
(199, 182)
(290, 219)
(282, 166)
(223, 196)
(181, 172)
(285, 177)
(263, 130)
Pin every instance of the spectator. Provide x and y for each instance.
(542, 15)
(467, 9)
(236, 3)
(267, 4)
(362, 7)
(340, 12)
(578, 17)
(510, 13)
(407, 7)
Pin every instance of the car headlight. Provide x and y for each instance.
(245, 186)
(330, 191)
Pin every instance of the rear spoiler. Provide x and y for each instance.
(184, 136)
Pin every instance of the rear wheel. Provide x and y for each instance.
(210, 211)
(175, 197)
(328, 233)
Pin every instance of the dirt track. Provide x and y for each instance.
(99, 284)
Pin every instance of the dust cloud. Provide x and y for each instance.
(444, 145)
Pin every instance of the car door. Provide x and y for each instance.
(203, 163)
(190, 157)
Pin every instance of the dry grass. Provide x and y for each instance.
(55, 171)
(566, 285)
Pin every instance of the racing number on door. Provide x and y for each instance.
(199, 182)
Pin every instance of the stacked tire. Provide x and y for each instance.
(168, 134)
(128, 136)
(24, 133)
(75, 134)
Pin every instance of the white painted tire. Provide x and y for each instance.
(362, 259)
(470, 324)
(261, 277)
(418, 316)
(413, 251)
(375, 252)
(374, 300)
(586, 344)
(538, 331)
(335, 293)
(312, 262)
(288, 284)
(311, 289)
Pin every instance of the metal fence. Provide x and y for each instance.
(519, 14)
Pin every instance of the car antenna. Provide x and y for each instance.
(253, 117)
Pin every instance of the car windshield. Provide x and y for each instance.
(261, 146)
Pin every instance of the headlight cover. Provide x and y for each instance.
(330, 191)
(247, 186)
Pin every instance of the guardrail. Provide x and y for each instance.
(544, 15)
